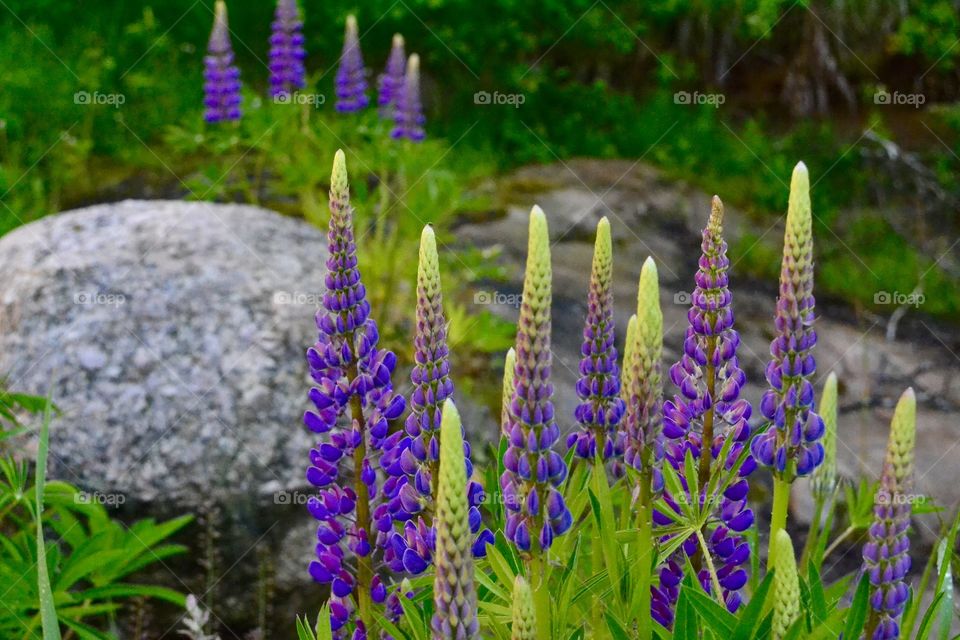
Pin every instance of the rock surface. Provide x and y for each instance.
(172, 336)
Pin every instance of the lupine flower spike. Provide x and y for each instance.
(886, 556)
(786, 587)
(454, 593)
(353, 401)
(824, 478)
(412, 458)
(642, 423)
(642, 380)
(509, 366)
(524, 625)
(791, 442)
(221, 77)
(390, 83)
(536, 512)
(286, 50)
(351, 75)
(706, 413)
(408, 114)
(598, 388)
(790, 439)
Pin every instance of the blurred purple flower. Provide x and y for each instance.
(221, 77)
(286, 50)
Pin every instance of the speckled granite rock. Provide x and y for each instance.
(172, 334)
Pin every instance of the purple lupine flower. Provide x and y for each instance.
(408, 114)
(286, 50)
(886, 556)
(221, 77)
(601, 407)
(351, 75)
(353, 401)
(412, 457)
(533, 471)
(706, 413)
(790, 443)
(390, 83)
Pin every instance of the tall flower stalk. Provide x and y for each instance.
(790, 441)
(601, 408)
(221, 77)
(454, 593)
(642, 424)
(786, 586)
(390, 83)
(412, 458)
(886, 556)
(353, 402)
(287, 72)
(524, 622)
(408, 114)
(351, 80)
(533, 471)
(706, 414)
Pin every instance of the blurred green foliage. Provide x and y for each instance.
(597, 79)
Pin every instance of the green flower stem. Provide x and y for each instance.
(645, 540)
(849, 531)
(541, 595)
(714, 580)
(813, 536)
(778, 519)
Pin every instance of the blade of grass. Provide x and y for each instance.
(48, 612)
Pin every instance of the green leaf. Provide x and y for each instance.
(48, 612)
(752, 614)
(684, 625)
(717, 617)
(857, 613)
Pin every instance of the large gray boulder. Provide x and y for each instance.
(172, 337)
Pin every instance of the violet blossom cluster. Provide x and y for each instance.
(533, 471)
(351, 80)
(601, 408)
(412, 456)
(353, 402)
(706, 413)
(286, 50)
(221, 77)
(791, 443)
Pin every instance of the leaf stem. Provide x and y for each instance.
(714, 580)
